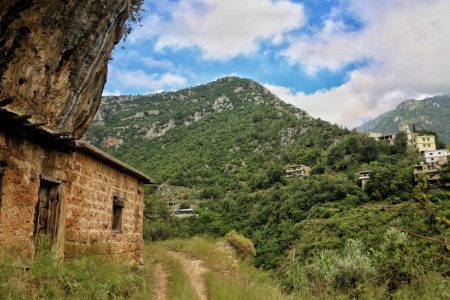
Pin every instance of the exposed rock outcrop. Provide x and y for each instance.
(54, 55)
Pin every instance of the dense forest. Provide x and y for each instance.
(228, 144)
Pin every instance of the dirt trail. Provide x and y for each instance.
(161, 280)
(195, 270)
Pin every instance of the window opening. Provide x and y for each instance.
(118, 206)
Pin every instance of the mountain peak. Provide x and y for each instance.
(429, 113)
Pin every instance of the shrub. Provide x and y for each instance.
(243, 246)
(330, 270)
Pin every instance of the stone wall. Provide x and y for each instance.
(87, 189)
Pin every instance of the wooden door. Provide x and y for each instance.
(47, 212)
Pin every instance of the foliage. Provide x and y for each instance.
(330, 269)
(159, 223)
(359, 272)
(242, 245)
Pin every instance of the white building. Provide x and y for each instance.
(437, 156)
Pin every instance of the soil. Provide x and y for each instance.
(161, 281)
(196, 271)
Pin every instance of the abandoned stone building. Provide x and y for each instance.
(53, 70)
(82, 199)
(297, 171)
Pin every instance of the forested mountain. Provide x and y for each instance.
(429, 114)
(225, 133)
(229, 142)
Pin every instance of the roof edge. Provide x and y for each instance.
(114, 162)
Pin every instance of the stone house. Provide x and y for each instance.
(82, 199)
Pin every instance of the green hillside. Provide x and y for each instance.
(222, 134)
(429, 114)
(228, 144)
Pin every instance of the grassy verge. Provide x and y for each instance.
(90, 277)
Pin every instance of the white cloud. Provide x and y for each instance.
(406, 45)
(155, 63)
(113, 93)
(138, 79)
(221, 29)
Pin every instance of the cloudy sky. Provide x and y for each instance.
(345, 61)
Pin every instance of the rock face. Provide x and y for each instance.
(53, 57)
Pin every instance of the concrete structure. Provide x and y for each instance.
(421, 143)
(185, 213)
(438, 156)
(297, 171)
(363, 178)
(377, 136)
(431, 171)
(424, 143)
(82, 199)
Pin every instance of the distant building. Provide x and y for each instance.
(363, 177)
(431, 171)
(297, 171)
(377, 136)
(438, 156)
(424, 143)
(186, 212)
(421, 143)
(173, 206)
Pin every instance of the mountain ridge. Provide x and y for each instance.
(234, 117)
(429, 114)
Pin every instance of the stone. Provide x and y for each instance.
(54, 55)
(86, 205)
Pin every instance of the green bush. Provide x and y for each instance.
(243, 246)
(340, 271)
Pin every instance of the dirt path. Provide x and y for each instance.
(195, 270)
(161, 280)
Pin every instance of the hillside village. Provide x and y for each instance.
(432, 162)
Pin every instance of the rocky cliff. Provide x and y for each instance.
(53, 57)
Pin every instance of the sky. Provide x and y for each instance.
(344, 61)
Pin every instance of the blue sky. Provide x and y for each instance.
(345, 61)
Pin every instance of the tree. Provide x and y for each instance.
(400, 143)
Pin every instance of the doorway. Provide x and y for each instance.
(47, 214)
